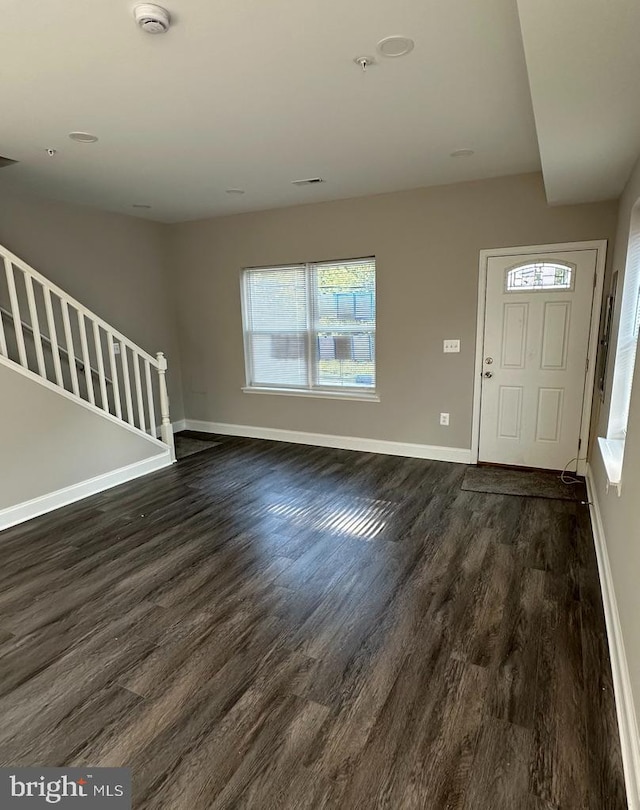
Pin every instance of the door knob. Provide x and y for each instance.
(488, 360)
(488, 374)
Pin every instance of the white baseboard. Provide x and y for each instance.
(625, 709)
(13, 515)
(427, 451)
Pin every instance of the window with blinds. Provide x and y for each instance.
(627, 343)
(311, 327)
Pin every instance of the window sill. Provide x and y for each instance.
(612, 453)
(301, 392)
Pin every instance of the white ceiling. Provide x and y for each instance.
(583, 60)
(255, 94)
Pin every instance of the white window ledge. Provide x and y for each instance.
(612, 452)
(365, 396)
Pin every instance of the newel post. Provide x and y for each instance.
(166, 431)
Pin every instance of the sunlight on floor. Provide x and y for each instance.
(361, 518)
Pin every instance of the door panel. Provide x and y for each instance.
(535, 351)
(510, 412)
(514, 335)
(549, 420)
(555, 335)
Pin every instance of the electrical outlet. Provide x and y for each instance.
(451, 346)
(444, 419)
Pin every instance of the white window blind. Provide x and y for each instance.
(311, 327)
(627, 338)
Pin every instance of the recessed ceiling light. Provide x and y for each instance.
(141, 205)
(83, 137)
(235, 191)
(395, 46)
(462, 153)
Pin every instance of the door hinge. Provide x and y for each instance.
(595, 280)
(579, 443)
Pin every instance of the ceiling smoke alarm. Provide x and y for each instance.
(152, 19)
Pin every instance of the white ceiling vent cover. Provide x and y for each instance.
(152, 19)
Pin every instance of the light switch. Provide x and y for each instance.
(451, 346)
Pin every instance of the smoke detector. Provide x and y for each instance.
(151, 18)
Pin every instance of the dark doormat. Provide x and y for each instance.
(527, 483)
(187, 446)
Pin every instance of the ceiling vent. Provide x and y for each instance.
(310, 181)
(152, 19)
(5, 161)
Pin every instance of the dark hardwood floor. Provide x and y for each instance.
(267, 625)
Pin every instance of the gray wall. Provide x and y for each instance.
(426, 243)
(48, 442)
(115, 265)
(621, 514)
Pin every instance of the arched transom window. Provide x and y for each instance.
(540, 276)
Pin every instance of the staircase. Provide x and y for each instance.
(49, 336)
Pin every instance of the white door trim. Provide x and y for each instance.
(599, 245)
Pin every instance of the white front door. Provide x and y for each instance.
(536, 340)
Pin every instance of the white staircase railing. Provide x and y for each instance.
(54, 336)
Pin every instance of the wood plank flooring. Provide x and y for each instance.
(267, 625)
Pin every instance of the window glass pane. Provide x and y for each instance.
(317, 318)
(276, 321)
(345, 324)
(346, 360)
(540, 276)
(627, 341)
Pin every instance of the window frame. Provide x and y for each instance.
(627, 342)
(313, 389)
